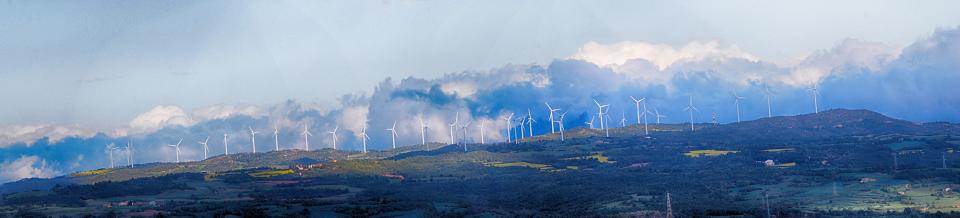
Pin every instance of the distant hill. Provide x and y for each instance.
(831, 123)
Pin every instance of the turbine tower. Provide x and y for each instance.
(669, 206)
(453, 125)
(769, 94)
(551, 109)
(600, 114)
(623, 119)
(561, 125)
(637, 103)
(393, 134)
(482, 122)
(423, 126)
(691, 108)
(591, 121)
(129, 153)
(276, 138)
(306, 137)
(364, 137)
(521, 121)
(530, 122)
(736, 101)
(509, 127)
(110, 148)
(659, 115)
(646, 123)
(225, 150)
(815, 91)
(334, 134)
(253, 139)
(205, 148)
(177, 147)
(464, 138)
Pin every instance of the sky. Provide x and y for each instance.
(75, 76)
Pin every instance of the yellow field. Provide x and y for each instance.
(92, 172)
(708, 153)
(541, 167)
(785, 165)
(596, 156)
(272, 173)
(777, 150)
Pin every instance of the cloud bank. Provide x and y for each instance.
(912, 82)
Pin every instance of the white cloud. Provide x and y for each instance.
(844, 58)
(27, 134)
(221, 111)
(661, 55)
(25, 167)
(354, 118)
(161, 116)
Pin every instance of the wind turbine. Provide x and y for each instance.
(815, 91)
(646, 123)
(276, 138)
(530, 122)
(205, 148)
(521, 120)
(334, 134)
(659, 115)
(177, 147)
(453, 125)
(306, 137)
(736, 101)
(509, 127)
(464, 138)
(253, 139)
(225, 150)
(393, 134)
(600, 113)
(423, 126)
(691, 108)
(768, 93)
(551, 116)
(561, 125)
(110, 148)
(637, 103)
(591, 121)
(364, 137)
(129, 153)
(481, 131)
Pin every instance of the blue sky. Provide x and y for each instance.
(76, 76)
(102, 64)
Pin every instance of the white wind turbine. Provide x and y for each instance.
(423, 134)
(560, 122)
(691, 108)
(482, 122)
(129, 153)
(364, 137)
(177, 147)
(646, 123)
(623, 119)
(522, 128)
(530, 122)
(393, 134)
(769, 94)
(306, 137)
(110, 148)
(552, 121)
(736, 101)
(637, 103)
(276, 138)
(334, 134)
(591, 121)
(464, 138)
(253, 139)
(453, 125)
(659, 115)
(225, 150)
(600, 114)
(509, 127)
(815, 91)
(205, 148)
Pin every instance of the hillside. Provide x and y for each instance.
(712, 171)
